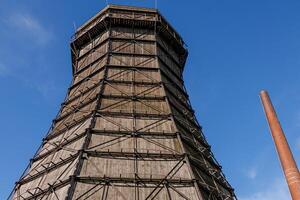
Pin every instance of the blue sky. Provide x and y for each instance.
(236, 48)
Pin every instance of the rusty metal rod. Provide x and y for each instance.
(286, 158)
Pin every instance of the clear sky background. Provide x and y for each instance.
(236, 48)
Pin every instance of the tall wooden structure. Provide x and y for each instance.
(126, 130)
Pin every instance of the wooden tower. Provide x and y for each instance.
(126, 130)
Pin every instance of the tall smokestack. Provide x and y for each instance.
(288, 163)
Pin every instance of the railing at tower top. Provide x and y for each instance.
(129, 15)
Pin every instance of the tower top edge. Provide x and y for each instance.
(120, 8)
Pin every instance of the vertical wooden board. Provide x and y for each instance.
(85, 85)
(60, 193)
(155, 125)
(54, 177)
(136, 61)
(99, 51)
(85, 49)
(91, 56)
(55, 157)
(125, 74)
(117, 105)
(107, 167)
(144, 48)
(144, 34)
(160, 169)
(120, 32)
(151, 107)
(161, 195)
(122, 46)
(99, 64)
(156, 145)
(179, 193)
(118, 89)
(147, 76)
(120, 74)
(101, 37)
(88, 191)
(149, 90)
(116, 192)
(31, 187)
(52, 159)
(121, 60)
(67, 119)
(112, 143)
(80, 127)
(145, 61)
(125, 143)
(42, 182)
(113, 123)
(79, 101)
